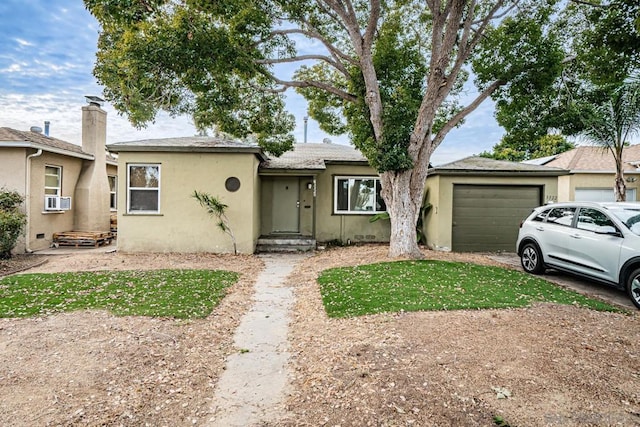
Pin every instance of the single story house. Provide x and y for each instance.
(66, 186)
(477, 203)
(592, 171)
(316, 192)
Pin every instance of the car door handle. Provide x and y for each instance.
(576, 236)
(540, 228)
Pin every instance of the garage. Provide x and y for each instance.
(601, 195)
(486, 218)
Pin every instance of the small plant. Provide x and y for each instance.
(216, 208)
(499, 421)
(12, 221)
(422, 214)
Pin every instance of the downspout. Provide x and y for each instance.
(313, 215)
(27, 199)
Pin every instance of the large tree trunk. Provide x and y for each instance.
(403, 195)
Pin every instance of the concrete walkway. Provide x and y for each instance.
(251, 390)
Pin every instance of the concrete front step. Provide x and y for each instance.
(276, 244)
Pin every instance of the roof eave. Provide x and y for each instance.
(285, 171)
(115, 148)
(433, 172)
(347, 162)
(55, 150)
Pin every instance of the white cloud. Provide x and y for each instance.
(23, 43)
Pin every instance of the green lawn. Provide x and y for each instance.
(436, 285)
(161, 293)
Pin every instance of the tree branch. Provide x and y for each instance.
(456, 119)
(319, 85)
(328, 60)
(588, 3)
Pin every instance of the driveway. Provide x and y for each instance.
(587, 287)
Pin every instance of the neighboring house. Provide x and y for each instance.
(318, 192)
(592, 173)
(66, 187)
(477, 203)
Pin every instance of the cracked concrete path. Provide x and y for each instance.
(252, 389)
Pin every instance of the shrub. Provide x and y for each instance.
(12, 221)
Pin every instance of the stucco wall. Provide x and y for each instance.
(440, 217)
(12, 167)
(43, 224)
(567, 184)
(182, 224)
(345, 228)
(12, 178)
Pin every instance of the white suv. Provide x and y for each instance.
(600, 241)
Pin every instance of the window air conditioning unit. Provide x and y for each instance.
(57, 203)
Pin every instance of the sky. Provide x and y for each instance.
(47, 54)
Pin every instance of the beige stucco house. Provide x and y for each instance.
(67, 187)
(314, 193)
(592, 172)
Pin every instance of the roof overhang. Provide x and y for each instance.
(290, 172)
(501, 173)
(47, 148)
(115, 148)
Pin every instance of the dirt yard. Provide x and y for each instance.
(545, 365)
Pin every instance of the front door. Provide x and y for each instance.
(286, 205)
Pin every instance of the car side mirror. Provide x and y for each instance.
(608, 230)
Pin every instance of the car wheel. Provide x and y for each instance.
(633, 287)
(531, 259)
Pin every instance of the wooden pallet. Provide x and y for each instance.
(114, 223)
(82, 238)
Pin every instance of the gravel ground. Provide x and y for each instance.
(544, 365)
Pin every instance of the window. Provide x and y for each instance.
(594, 220)
(113, 185)
(52, 180)
(143, 188)
(561, 216)
(358, 195)
(53, 190)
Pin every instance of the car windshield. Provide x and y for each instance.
(629, 217)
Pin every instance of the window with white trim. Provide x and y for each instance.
(113, 188)
(53, 189)
(143, 188)
(357, 195)
(52, 181)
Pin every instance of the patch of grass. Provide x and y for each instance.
(437, 285)
(180, 294)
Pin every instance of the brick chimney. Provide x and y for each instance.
(91, 201)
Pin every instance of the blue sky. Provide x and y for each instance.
(47, 52)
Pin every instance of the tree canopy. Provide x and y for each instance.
(600, 41)
(390, 74)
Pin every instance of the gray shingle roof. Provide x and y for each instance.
(481, 165)
(203, 144)
(187, 143)
(14, 138)
(315, 157)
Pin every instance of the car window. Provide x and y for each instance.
(629, 217)
(594, 220)
(540, 216)
(561, 216)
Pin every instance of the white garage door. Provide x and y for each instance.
(601, 195)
